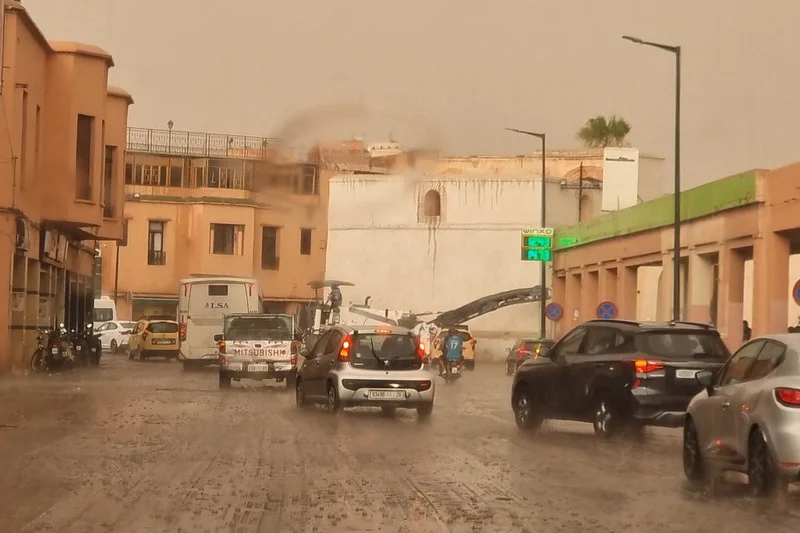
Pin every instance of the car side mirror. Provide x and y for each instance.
(298, 337)
(706, 379)
(128, 332)
(218, 337)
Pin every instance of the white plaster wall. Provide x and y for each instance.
(376, 241)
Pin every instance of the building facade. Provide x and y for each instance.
(447, 231)
(62, 163)
(214, 204)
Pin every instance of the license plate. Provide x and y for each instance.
(54, 351)
(685, 374)
(454, 370)
(163, 341)
(387, 395)
(258, 368)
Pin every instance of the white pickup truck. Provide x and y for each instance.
(258, 346)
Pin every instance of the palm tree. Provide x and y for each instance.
(599, 132)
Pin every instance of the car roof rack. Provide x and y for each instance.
(703, 325)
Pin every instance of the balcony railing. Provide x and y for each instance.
(197, 144)
(156, 257)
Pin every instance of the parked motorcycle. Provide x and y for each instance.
(54, 350)
(80, 347)
(95, 345)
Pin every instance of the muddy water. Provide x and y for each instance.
(146, 447)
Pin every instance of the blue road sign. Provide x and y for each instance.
(554, 311)
(606, 310)
(796, 292)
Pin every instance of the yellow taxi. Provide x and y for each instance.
(154, 337)
(467, 349)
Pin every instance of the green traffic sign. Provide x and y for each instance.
(536, 241)
(567, 241)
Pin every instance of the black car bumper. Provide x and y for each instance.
(663, 411)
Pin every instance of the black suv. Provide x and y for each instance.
(617, 374)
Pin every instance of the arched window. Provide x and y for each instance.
(432, 204)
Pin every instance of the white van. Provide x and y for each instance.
(203, 302)
(105, 310)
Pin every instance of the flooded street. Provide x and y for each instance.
(147, 447)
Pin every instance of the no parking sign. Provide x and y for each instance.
(606, 310)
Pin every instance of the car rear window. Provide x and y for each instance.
(463, 334)
(128, 325)
(702, 345)
(375, 351)
(246, 328)
(162, 327)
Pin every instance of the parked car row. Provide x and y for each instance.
(738, 412)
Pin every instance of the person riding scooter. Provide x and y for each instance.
(452, 350)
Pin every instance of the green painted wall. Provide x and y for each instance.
(727, 193)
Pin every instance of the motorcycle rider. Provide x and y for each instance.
(335, 298)
(451, 350)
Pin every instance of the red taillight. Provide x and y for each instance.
(646, 366)
(183, 332)
(295, 348)
(144, 335)
(223, 361)
(520, 353)
(344, 353)
(788, 397)
(221, 347)
(421, 355)
(294, 359)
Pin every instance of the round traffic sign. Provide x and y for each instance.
(796, 292)
(554, 311)
(606, 310)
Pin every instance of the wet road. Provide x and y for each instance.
(147, 447)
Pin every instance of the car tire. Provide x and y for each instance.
(469, 365)
(693, 467)
(424, 412)
(300, 394)
(291, 382)
(525, 414)
(606, 417)
(333, 404)
(224, 381)
(113, 346)
(763, 477)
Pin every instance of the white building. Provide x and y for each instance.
(424, 243)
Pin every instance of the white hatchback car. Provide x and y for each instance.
(366, 366)
(115, 334)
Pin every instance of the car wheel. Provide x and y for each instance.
(469, 365)
(761, 471)
(606, 417)
(224, 381)
(290, 382)
(300, 394)
(113, 346)
(693, 466)
(424, 412)
(333, 404)
(525, 414)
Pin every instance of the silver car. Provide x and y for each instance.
(748, 418)
(375, 366)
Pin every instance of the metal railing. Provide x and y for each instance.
(156, 257)
(197, 144)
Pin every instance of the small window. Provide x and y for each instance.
(269, 248)
(175, 174)
(217, 290)
(305, 241)
(155, 243)
(602, 340)
(227, 239)
(432, 204)
(572, 342)
(83, 157)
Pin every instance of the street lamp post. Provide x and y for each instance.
(543, 218)
(676, 255)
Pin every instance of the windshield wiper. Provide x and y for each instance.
(372, 348)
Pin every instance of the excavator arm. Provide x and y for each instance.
(487, 304)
